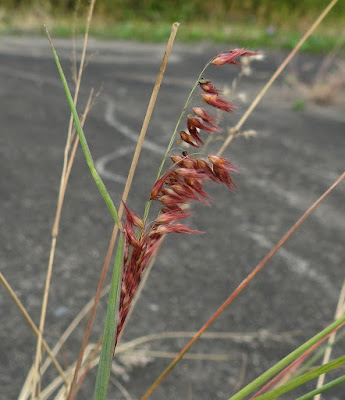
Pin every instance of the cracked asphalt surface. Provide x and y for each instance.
(283, 170)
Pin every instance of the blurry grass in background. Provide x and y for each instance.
(251, 23)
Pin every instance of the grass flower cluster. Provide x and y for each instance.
(182, 183)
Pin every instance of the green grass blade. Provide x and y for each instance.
(104, 367)
(83, 141)
(323, 388)
(309, 364)
(286, 361)
(273, 394)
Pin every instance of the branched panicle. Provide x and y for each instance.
(176, 189)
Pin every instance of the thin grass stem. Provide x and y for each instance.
(323, 388)
(35, 376)
(109, 336)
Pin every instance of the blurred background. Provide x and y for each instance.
(273, 23)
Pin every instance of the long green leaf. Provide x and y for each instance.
(286, 361)
(104, 367)
(273, 394)
(83, 141)
(323, 388)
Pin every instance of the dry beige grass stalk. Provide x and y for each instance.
(55, 230)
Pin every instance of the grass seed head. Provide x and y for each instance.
(218, 102)
(207, 86)
(229, 58)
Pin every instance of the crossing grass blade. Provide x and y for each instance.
(286, 360)
(323, 388)
(275, 393)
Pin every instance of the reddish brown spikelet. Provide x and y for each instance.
(207, 86)
(222, 163)
(172, 216)
(222, 169)
(224, 177)
(132, 218)
(202, 165)
(175, 228)
(197, 186)
(190, 173)
(172, 178)
(170, 202)
(188, 193)
(174, 196)
(185, 161)
(176, 159)
(154, 244)
(189, 139)
(200, 112)
(216, 101)
(229, 58)
(157, 187)
(196, 123)
(192, 128)
(130, 235)
(196, 137)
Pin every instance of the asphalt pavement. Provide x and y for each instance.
(291, 161)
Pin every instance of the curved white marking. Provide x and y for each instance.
(128, 133)
(125, 130)
(102, 161)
